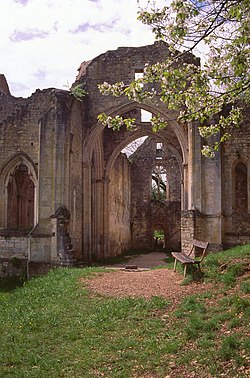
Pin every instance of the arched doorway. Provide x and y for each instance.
(158, 238)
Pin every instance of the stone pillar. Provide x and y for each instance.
(87, 213)
(61, 247)
(97, 208)
(204, 176)
(184, 188)
(46, 173)
(187, 229)
(194, 172)
(106, 244)
(61, 156)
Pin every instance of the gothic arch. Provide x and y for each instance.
(140, 133)
(135, 135)
(7, 173)
(90, 142)
(96, 176)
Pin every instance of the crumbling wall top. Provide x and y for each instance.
(82, 69)
(4, 88)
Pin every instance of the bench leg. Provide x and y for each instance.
(185, 270)
(175, 261)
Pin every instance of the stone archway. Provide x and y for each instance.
(99, 166)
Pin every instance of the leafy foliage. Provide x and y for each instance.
(116, 122)
(78, 91)
(213, 94)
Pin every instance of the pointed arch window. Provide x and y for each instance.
(20, 199)
(241, 197)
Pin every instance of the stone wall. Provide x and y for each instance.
(119, 206)
(13, 255)
(20, 143)
(13, 267)
(117, 66)
(236, 228)
(195, 225)
(44, 134)
(187, 229)
(148, 215)
(166, 216)
(19, 119)
(14, 246)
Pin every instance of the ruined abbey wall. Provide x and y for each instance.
(236, 185)
(68, 194)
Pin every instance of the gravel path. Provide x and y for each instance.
(142, 282)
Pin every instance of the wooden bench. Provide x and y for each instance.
(186, 259)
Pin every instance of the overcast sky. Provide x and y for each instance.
(43, 42)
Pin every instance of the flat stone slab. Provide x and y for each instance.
(131, 267)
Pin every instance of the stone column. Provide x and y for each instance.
(184, 188)
(211, 201)
(87, 213)
(187, 229)
(106, 246)
(195, 161)
(98, 204)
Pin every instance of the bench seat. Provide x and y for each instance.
(186, 259)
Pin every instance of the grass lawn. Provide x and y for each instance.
(52, 326)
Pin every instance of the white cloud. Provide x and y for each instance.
(43, 42)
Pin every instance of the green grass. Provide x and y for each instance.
(220, 267)
(52, 326)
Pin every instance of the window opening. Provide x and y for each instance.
(159, 183)
(145, 116)
(139, 75)
(158, 151)
(133, 146)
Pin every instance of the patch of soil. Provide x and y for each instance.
(159, 282)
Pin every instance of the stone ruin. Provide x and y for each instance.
(71, 193)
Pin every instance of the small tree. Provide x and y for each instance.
(220, 86)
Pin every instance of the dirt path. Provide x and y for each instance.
(141, 282)
(144, 261)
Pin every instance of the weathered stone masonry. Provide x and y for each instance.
(68, 195)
